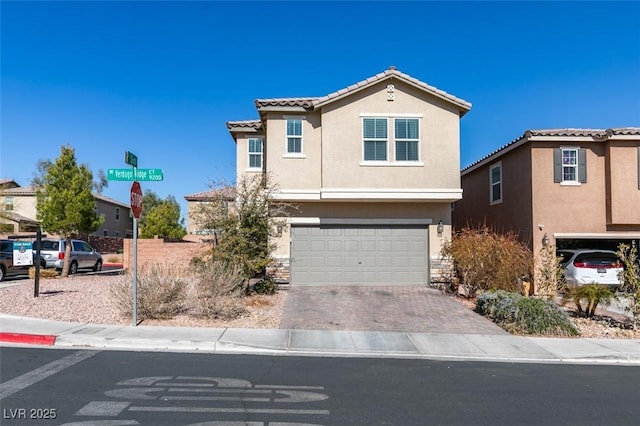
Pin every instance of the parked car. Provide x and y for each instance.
(585, 266)
(83, 256)
(7, 266)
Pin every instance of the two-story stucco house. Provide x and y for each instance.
(18, 205)
(197, 200)
(574, 188)
(373, 169)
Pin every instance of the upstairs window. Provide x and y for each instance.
(407, 139)
(375, 139)
(117, 213)
(255, 153)
(495, 183)
(570, 165)
(294, 136)
(8, 204)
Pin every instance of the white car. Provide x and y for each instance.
(584, 266)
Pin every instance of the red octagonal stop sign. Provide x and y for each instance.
(136, 199)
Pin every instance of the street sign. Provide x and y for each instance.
(136, 199)
(130, 159)
(150, 175)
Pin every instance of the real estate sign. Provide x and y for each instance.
(22, 253)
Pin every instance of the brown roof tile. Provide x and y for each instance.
(285, 102)
(251, 124)
(228, 193)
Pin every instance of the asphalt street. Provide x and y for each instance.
(82, 387)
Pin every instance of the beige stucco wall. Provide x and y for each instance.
(623, 184)
(295, 172)
(242, 155)
(342, 141)
(22, 205)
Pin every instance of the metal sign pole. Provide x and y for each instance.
(135, 271)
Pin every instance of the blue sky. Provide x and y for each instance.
(160, 79)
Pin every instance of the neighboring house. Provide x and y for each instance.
(373, 169)
(195, 202)
(574, 188)
(18, 206)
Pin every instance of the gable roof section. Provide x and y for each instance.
(228, 193)
(303, 104)
(388, 74)
(595, 135)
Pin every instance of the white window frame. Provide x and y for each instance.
(255, 153)
(294, 154)
(396, 140)
(492, 184)
(374, 139)
(575, 181)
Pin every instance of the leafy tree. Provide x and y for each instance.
(149, 200)
(164, 220)
(65, 203)
(630, 278)
(248, 228)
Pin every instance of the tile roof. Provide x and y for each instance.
(597, 134)
(252, 124)
(286, 102)
(15, 217)
(19, 190)
(392, 72)
(228, 193)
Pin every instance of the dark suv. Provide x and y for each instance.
(7, 267)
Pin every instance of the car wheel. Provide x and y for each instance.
(43, 264)
(73, 268)
(1, 273)
(98, 266)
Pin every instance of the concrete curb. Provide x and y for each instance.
(28, 339)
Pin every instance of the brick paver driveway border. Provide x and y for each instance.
(395, 308)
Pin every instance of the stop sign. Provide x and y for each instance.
(136, 199)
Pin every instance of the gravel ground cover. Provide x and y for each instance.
(87, 298)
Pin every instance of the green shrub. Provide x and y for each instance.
(217, 290)
(486, 260)
(594, 294)
(161, 291)
(528, 315)
(264, 286)
(630, 278)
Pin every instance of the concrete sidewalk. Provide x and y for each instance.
(476, 347)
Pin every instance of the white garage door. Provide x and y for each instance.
(358, 255)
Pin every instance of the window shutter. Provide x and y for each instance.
(557, 165)
(582, 165)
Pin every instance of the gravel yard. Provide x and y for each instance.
(87, 299)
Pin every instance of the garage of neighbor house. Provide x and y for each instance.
(359, 254)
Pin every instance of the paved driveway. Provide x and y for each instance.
(398, 308)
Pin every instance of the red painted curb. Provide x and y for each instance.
(31, 339)
(113, 264)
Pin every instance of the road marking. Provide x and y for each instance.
(41, 373)
(103, 408)
(229, 410)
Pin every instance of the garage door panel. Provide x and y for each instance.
(365, 255)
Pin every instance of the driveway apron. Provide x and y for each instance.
(395, 308)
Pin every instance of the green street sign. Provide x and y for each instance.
(152, 175)
(130, 159)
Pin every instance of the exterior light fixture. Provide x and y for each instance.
(440, 228)
(545, 240)
(279, 230)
